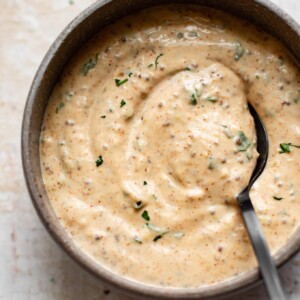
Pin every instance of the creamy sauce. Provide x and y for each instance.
(147, 141)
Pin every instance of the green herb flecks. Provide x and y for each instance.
(145, 183)
(151, 65)
(156, 229)
(157, 238)
(178, 235)
(193, 34)
(119, 82)
(145, 215)
(212, 163)
(138, 205)
(138, 240)
(277, 198)
(244, 143)
(239, 51)
(249, 156)
(286, 147)
(187, 69)
(59, 107)
(156, 60)
(193, 100)
(90, 64)
(103, 117)
(130, 74)
(99, 161)
(227, 131)
(212, 98)
(122, 103)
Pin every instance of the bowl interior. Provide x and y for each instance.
(262, 13)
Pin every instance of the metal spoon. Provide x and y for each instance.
(259, 244)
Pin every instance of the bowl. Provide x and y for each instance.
(260, 12)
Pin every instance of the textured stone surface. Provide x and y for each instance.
(32, 265)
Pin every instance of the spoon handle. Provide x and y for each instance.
(266, 263)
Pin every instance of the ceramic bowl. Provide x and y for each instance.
(262, 13)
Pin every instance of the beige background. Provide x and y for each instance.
(31, 264)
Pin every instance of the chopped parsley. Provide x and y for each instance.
(138, 205)
(99, 161)
(130, 74)
(187, 69)
(155, 228)
(178, 235)
(156, 60)
(193, 99)
(277, 198)
(212, 163)
(103, 117)
(244, 142)
(137, 239)
(145, 183)
(90, 64)
(227, 131)
(122, 103)
(145, 215)
(239, 51)
(212, 98)
(157, 238)
(151, 65)
(119, 82)
(193, 34)
(59, 107)
(285, 147)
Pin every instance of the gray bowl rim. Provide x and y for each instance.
(59, 234)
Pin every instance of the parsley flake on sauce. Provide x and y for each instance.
(145, 183)
(212, 163)
(239, 51)
(244, 143)
(137, 239)
(59, 107)
(119, 82)
(99, 161)
(212, 98)
(156, 60)
(156, 229)
(90, 64)
(145, 215)
(178, 235)
(286, 147)
(122, 103)
(193, 99)
(157, 238)
(277, 198)
(138, 205)
(103, 117)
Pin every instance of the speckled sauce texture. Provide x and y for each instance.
(147, 141)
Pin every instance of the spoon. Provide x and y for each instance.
(259, 244)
